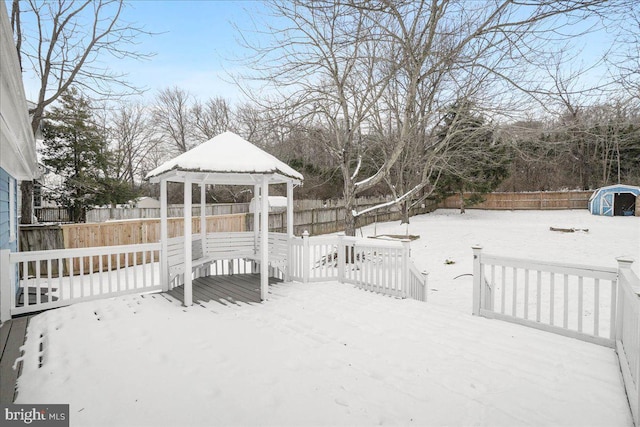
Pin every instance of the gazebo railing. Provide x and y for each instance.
(226, 253)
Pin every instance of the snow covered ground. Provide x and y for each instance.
(329, 354)
(447, 235)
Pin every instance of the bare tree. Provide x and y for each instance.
(64, 43)
(626, 63)
(340, 64)
(325, 68)
(132, 141)
(173, 120)
(211, 118)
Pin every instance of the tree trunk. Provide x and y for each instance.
(26, 208)
(462, 204)
(405, 212)
(350, 207)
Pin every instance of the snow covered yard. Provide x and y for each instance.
(447, 235)
(329, 354)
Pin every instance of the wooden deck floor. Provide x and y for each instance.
(12, 335)
(237, 288)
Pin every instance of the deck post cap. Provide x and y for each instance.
(625, 261)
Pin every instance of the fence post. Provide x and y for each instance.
(477, 278)
(5, 285)
(406, 253)
(341, 257)
(305, 256)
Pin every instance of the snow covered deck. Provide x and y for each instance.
(317, 354)
(237, 288)
(12, 335)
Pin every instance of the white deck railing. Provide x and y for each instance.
(596, 304)
(377, 266)
(62, 277)
(40, 280)
(627, 333)
(574, 300)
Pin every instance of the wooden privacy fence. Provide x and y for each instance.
(116, 233)
(595, 304)
(540, 200)
(110, 214)
(55, 214)
(141, 231)
(331, 220)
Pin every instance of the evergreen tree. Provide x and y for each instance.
(477, 160)
(76, 150)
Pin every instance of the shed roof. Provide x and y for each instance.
(226, 158)
(616, 188)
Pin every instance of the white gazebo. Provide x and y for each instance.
(226, 159)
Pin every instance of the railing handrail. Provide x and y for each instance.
(606, 273)
(15, 257)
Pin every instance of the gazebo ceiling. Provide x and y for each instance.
(226, 159)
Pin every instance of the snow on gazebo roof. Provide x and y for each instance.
(226, 158)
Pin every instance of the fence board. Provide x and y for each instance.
(540, 200)
(133, 232)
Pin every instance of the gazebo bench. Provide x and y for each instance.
(175, 257)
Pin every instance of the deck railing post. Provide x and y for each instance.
(623, 263)
(341, 257)
(477, 279)
(425, 284)
(406, 253)
(5, 285)
(305, 257)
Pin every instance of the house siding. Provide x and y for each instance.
(8, 238)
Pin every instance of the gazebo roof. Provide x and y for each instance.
(226, 159)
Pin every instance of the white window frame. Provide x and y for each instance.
(12, 210)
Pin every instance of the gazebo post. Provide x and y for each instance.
(187, 243)
(256, 216)
(164, 236)
(203, 217)
(287, 276)
(289, 209)
(264, 242)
